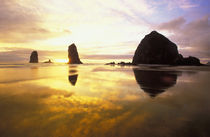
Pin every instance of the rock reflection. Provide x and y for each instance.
(73, 79)
(73, 75)
(155, 82)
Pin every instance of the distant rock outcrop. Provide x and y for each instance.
(157, 49)
(208, 63)
(73, 55)
(34, 57)
(111, 63)
(189, 61)
(49, 61)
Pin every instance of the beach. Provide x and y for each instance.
(92, 100)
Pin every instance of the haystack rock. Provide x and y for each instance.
(157, 49)
(34, 57)
(73, 55)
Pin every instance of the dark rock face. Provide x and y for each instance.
(189, 61)
(34, 57)
(157, 49)
(73, 55)
(155, 82)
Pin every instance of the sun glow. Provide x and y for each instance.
(61, 60)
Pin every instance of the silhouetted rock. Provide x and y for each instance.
(111, 63)
(73, 79)
(155, 82)
(73, 55)
(157, 49)
(189, 61)
(124, 63)
(49, 61)
(34, 57)
(120, 63)
(208, 63)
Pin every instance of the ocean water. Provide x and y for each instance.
(60, 100)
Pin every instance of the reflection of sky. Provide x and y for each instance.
(105, 101)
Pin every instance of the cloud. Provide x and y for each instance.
(23, 54)
(22, 22)
(182, 4)
(107, 56)
(173, 24)
(97, 26)
(133, 10)
(15, 55)
(192, 37)
(6, 57)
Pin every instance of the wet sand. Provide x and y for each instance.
(60, 100)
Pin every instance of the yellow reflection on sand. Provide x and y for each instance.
(102, 101)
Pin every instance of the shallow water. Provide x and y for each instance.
(54, 100)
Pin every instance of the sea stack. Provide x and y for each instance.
(34, 57)
(157, 49)
(73, 55)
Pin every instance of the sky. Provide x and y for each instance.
(102, 30)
